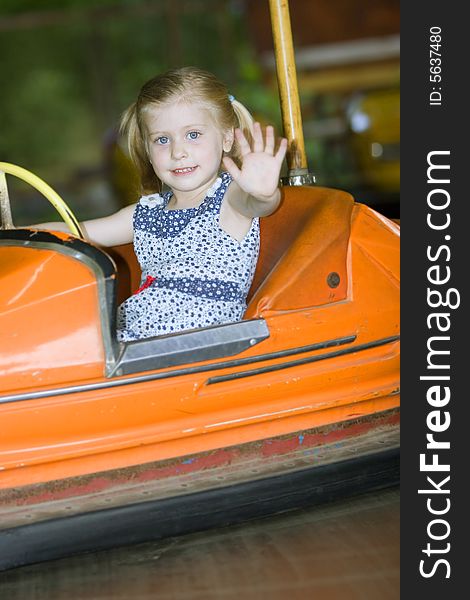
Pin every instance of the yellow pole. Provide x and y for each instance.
(289, 94)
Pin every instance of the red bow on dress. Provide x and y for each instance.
(148, 282)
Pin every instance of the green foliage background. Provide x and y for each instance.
(69, 73)
(70, 67)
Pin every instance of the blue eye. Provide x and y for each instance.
(193, 135)
(162, 139)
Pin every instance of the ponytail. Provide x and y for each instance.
(136, 144)
(245, 122)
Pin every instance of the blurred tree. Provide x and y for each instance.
(72, 67)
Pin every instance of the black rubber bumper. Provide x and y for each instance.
(153, 520)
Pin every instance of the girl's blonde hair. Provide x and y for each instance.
(188, 84)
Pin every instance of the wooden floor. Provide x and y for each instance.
(346, 550)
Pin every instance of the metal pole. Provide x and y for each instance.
(289, 95)
(6, 222)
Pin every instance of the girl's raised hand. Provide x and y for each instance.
(260, 169)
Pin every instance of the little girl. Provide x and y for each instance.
(198, 242)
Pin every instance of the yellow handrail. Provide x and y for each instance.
(46, 190)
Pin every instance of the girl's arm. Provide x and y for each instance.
(114, 230)
(256, 192)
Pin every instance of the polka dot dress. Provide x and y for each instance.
(194, 274)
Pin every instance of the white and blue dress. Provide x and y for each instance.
(194, 274)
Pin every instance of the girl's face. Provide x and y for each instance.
(185, 146)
